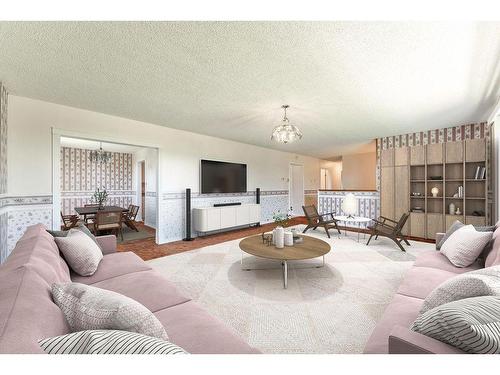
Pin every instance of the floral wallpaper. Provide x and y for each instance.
(80, 178)
(19, 219)
(172, 210)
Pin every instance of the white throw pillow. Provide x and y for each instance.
(80, 252)
(482, 282)
(86, 307)
(464, 245)
(107, 342)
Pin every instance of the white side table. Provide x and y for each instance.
(359, 220)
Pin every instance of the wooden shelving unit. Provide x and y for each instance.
(446, 166)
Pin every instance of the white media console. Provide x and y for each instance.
(208, 219)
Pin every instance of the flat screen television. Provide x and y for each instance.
(222, 177)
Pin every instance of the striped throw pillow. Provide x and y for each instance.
(471, 324)
(108, 342)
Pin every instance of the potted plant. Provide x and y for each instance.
(282, 220)
(100, 197)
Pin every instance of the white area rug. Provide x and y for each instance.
(324, 310)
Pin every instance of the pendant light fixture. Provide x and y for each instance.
(286, 132)
(100, 156)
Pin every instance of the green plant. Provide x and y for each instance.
(281, 219)
(100, 196)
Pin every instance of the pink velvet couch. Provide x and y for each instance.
(27, 312)
(392, 334)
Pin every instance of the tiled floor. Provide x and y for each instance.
(147, 249)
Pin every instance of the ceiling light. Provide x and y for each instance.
(100, 156)
(286, 132)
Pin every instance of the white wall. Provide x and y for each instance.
(150, 158)
(30, 122)
(30, 150)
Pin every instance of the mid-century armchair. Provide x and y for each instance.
(314, 220)
(389, 228)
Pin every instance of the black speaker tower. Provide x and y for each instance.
(257, 200)
(188, 216)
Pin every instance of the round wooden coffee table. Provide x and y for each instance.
(310, 248)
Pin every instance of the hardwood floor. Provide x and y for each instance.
(147, 249)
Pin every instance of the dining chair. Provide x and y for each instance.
(109, 221)
(129, 217)
(69, 221)
(88, 219)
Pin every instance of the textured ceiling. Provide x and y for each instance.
(346, 82)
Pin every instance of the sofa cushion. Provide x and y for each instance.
(435, 259)
(81, 227)
(483, 282)
(37, 249)
(195, 330)
(457, 225)
(403, 311)
(493, 254)
(27, 313)
(113, 265)
(471, 324)
(161, 293)
(421, 281)
(465, 245)
(108, 342)
(80, 251)
(87, 307)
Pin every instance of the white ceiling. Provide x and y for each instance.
(346, 82)
(94, 145)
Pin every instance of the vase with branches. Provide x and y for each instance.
(100, 196)
(282, 220)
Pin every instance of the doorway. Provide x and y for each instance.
(296, 189)
(142, 184)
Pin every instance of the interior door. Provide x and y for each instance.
(296, 187)
(143, 192)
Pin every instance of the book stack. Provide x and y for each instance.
(480, 173)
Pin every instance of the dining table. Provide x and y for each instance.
(92, 210)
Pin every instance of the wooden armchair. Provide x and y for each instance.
(129, 217)
(69, 221)
(314, 220)
(108, 221)
(390, 228)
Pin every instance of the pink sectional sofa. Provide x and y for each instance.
(27, 312)
(392, 334)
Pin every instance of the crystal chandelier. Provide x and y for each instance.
(286, 132)
(100, 156)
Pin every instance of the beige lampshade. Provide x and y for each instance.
(350, 205)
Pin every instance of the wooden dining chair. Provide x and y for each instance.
(130, 216)
(389, 228)
(314, 220)
(69, 221)
(109, 221)
(89, 219)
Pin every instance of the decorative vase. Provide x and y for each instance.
(288, 239)
(279, 242)
(458, 211)
(451, 209)
(273, 240)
